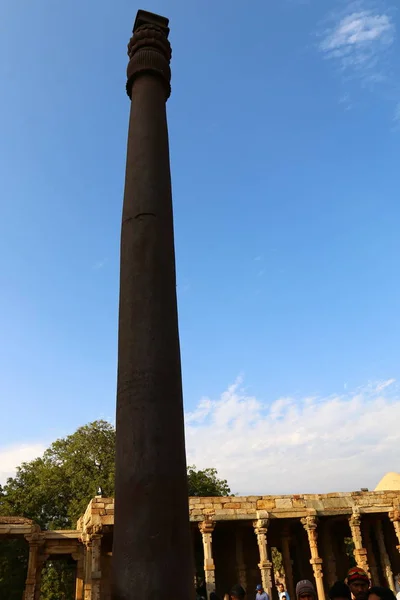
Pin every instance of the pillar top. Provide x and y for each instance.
(149, 50)
(144, 17)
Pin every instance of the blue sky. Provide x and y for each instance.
(285, 135)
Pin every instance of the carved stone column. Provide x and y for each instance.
(360, 553)
(394, 516)
(240, 559)
(80, 575)
(87, 588)
(265, 565)
(35, 541)
(366, 536)
(206, 529)
(151, 547)
(96, 566)
(310, 525)
(287, 561)
(385, 561)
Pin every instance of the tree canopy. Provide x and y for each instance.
(54, 491)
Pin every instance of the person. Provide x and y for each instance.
(213, 596)
(305, 590)
(260, 594)
(282, 593)
(358, 582)
(237, 592)
(340, 591)
(380, 593)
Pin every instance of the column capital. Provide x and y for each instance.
(149, 50)
(261, 526)
(355, 519)
(310, 522)
(394, 515)
(207, 526)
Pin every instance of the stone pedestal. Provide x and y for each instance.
(310, 525)
(265, 565)
(151, 547)
(206, 529)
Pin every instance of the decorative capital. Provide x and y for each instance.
(261, 526)
(394, 515)
(355, 519)
(310, 522)
(149, 50)
(207, 526)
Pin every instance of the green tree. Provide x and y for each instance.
(54, 491)
(206, 483)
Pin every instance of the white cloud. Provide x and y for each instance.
(358, 40)
(12, 456)
(293, 445)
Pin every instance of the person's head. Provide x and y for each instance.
(305, 590)
(281, 587)
(380, 593)
(340, 591)
(237, 592)
(358, 582)
(259, 589)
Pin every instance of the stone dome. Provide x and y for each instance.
(391, 481)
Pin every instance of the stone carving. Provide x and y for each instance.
(265, 565)
(360, 553)
(310, 524)
(394, 516)
(149, 51)
(206, 529)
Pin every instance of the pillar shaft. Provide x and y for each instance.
(385, 561)
(87, 588)
(265, 565)
(287, 562)
(206, 529)
(151, 547)
(310, 525)
(96, 566)
(360, 553)
(80, 577)
(36, 541)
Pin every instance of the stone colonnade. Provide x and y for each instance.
(323, 577)
(236, 539)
